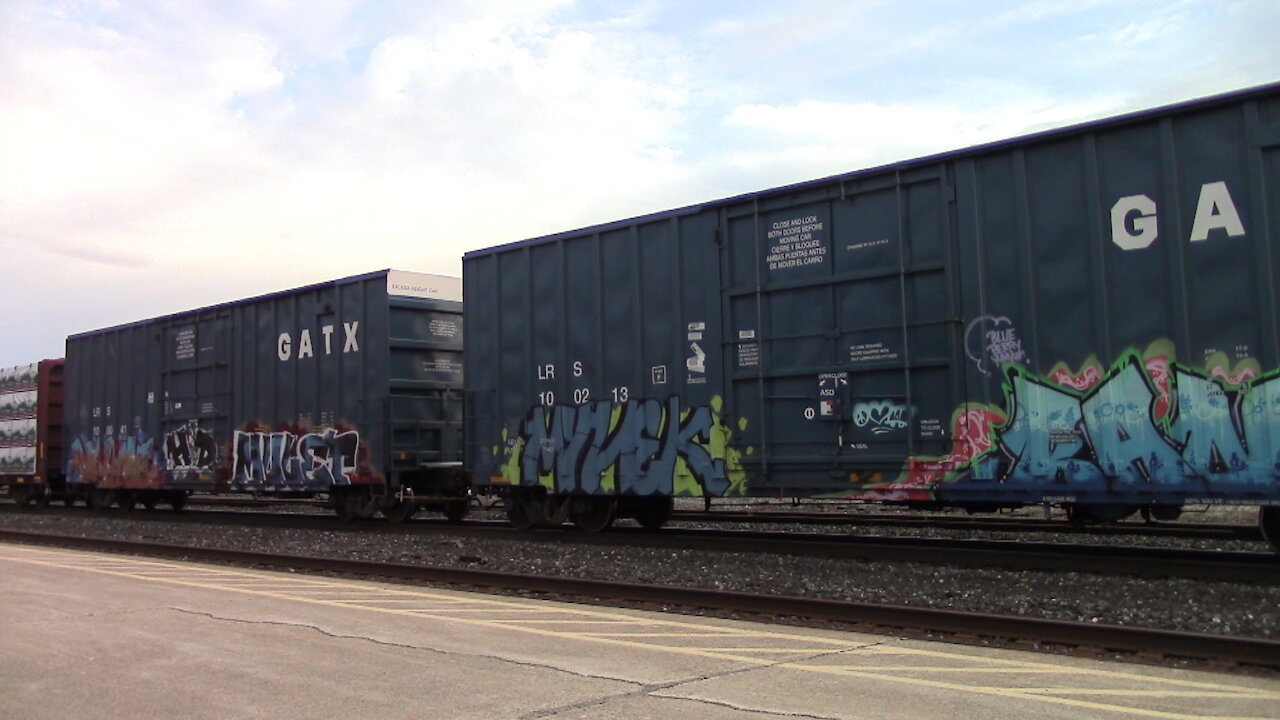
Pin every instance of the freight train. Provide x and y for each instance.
(1084, 317)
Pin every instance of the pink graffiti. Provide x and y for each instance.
(1158, 370)
(1239, 378)
(1089, 377)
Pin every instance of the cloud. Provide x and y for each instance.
(829, 138)
(162, 155)
(116, 259)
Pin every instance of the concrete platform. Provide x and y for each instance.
(88, 636)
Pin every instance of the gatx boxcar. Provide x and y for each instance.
(350, 387)
(1083, 317)
(31, 431)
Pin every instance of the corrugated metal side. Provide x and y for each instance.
(290, 392)
(1087, 315)
(425, 381)
(842, 314)
(113, 407)
(1119, 294)
(308, 373)
(49, 421)
(585, 352)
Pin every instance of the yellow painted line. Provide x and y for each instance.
(451, 611)
(573, 622)
(1260, 695)
(394, 600)
(1039, 695)
(994, 671)
(1047, 667)
(786, 651)
(313, 591)
(650, 634)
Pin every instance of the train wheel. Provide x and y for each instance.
(1269, 521)
(101, 498)
(400, 510)
(518, 513)
(149, 501)
(127, 499)
(43, 499)
(593, 514)
(20, 495)
(553, 511)
(654, 512)
(177, 500)
(356, 503)
(456, 510)
(341, 507)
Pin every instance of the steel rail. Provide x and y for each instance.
(997, 524)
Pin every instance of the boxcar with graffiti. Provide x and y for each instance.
(1085, 317)
(350, 388)
(31, 431)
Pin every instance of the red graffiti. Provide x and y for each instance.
(1158, 371)
(972, 434)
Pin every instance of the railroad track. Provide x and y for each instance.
(766, 516)
(972, 628)
(1198, 565)
(1191, 531)
(1207, 531)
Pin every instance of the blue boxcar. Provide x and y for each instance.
(1085, 317)
(350, 388)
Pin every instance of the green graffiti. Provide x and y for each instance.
(631, 446)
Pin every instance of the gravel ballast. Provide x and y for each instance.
(1242, 609)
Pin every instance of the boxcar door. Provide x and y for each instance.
(843, 334)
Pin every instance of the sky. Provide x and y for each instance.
(158, 156)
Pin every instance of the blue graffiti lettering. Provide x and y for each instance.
(285, 461)
(1211, 436)
(641, 440)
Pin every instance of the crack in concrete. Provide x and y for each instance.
(404, 646)
(656, 690)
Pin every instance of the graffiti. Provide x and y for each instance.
(972, 438)
(1117, 435)
(287, 460)
(1146, 426)
(124, 460)
(997, 341)
(189, 448)
(640, 446)
(881, 416)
